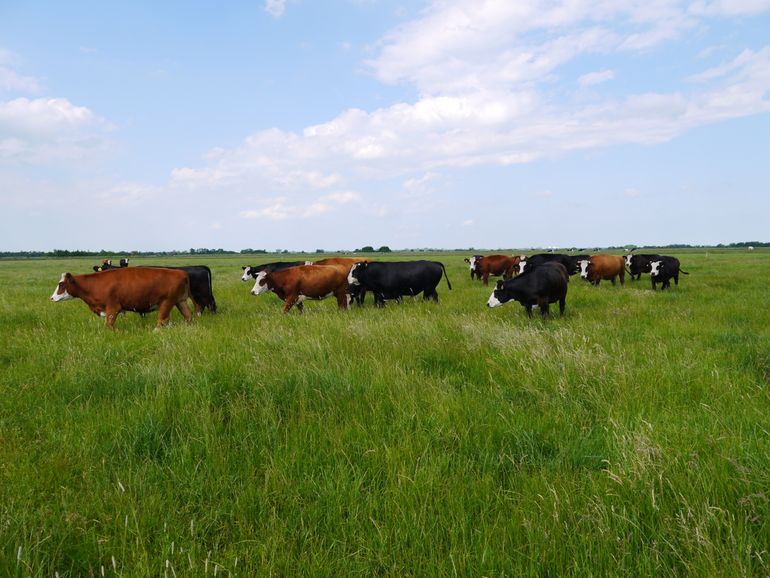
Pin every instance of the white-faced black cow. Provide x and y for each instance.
(395, 279)
(570, 262)
(665, 269)
(251, 271)
(638, 264)
(538, 287)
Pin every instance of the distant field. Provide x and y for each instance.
(630, 437)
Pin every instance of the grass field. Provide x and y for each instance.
(630, 437)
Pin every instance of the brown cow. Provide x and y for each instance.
(347, 261)
(128, 289)
(296, 284)
(496, 265)
(600, 267)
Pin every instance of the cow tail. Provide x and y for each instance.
(683, 272)
(213, 306)
(446, 277)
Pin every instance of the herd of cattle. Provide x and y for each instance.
(534, 281)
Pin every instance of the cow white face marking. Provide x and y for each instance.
(655, 268)
(60, 293)
(584, 268)
(628, 260)
(308, 262)
(246, 274)
(352, 280)
(493, 301)
(522, 264)
(260, 285)
(472, 263)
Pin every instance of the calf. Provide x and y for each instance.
(665, 269)
(538, 287)
(135, 289)
(599, 267)
(295, 284)
(251, 271)
(495, 265)
(638, 264)
(394, 279)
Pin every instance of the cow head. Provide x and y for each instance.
(124, 262)
(498, 296)
(583, 265)
(355, 272)
(522, 264)
(656, 267)
(246, 273)
(629, 258)
(61, 293)
(260, 285)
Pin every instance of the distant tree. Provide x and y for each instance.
(367, 249)
(384, 249)
(320, 251)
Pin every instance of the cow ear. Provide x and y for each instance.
(244, 268)
(68, 276)
(499, 285)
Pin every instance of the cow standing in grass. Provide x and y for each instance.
(537, 287)
(296, 284)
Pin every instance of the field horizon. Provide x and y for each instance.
(629, 437)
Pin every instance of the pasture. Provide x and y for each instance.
(630, 437)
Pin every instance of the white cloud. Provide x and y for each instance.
(594, 78)
(631, 193)
(729, 7)
(128, 194)
(275, 8)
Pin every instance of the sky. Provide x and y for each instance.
(304, 125)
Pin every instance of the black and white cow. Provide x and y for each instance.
(394, 279)
(538, 287)
(665, 269)
(251, 271)
(571, 263)
(638, 264)
(107, 264)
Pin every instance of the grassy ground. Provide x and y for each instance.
(631, 437)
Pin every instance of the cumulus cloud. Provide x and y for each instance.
(594, 78)
(275, 8)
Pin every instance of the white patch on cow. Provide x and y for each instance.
(628, 260)
(349, 298)
(308, 262)
(655, 268)
(260, 285)
(246, 274)
(584, 268)
(352, 280)
(493, 301)
(472, 263)
(63, 296)
(102, 314)
(522, 264)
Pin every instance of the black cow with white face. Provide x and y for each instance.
(638, 264)
(538, 287)
(107, 264)
(250, 272)
(394, 279)
(571, 263)
(665, 269)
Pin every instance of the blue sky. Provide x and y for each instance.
(304, 125)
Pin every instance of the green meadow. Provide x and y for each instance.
(630, 437)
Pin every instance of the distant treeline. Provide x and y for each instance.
(366, 249)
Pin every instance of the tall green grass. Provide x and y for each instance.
(630, 437)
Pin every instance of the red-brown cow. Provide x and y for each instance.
(296, 284)
(484, 266)
(128, 289)
(600, 267)
(347, 261)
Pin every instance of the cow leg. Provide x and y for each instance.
(184, 309)
(676, 279)
(622, 276)
(485, 278)
(164, 312)
(653, 284)
(342, 299)
(542, 304)
(289, 303)
(379, 300)
(110, 315)
(612, 280)
(198, 307)
(529, 310)
(562, 305)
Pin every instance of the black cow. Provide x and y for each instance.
(570, 262)
(201, 291)
(251, 271)
(638, 264)
(394, 279)
(663, 270)
(539, 286)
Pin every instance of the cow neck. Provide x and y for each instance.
(274, 287)
(79, 287)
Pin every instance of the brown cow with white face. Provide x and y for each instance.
(296, 284)
(484, 266)
(600, 267)
(128, 289)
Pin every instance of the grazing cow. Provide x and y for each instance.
(251, 271)
(472, 264)
(201, 291)
(128, 289)
(599, 267)
(537, 287)
(571, 263)
(296, 284)
(492, 265)
(638, 264)
(394, 279)
(357, 294)
(665, 269)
